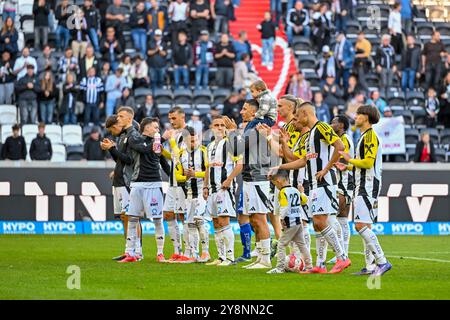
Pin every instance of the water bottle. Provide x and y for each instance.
(157, 142)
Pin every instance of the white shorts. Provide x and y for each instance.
(365, 209)
(121, 198)
(221, 204)
(175, 200)
(323, 200)
(146, 202)
(196, 209)
(257, 197)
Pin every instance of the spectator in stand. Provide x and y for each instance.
(9, 9)
(111, 48)
(178, 13)
(425, 149)
(51, 16)
(148, 109)
(222, 11)
(444, 114)
(126, 66)
(105, 71)
(21, 63)
(200, 15)
(267, 29)
(299, 87)
(92, 16)
(224, 56)
(342, 11)
(47, 97)
(353, 88)
(432, 106)
(204, 57)
(327, 65)
(353, 105)
(80, 35)
(157, 17)
(70, 93)
(344, 55)
(102, 7)
(92, 88)
(395, 28)
(447, 64)
(15, 147)
(407, 11)
(139, 73)
(377, 102)
(114, 87)
(9, 37)
(7, 79)
(92, 149)
(182, 57)
(27, 89)
(298, 22)
(157, 54)
(242, 45)
(46, 61)
(88, 61)
(326, 17)
(242, 77)
(195, 122)
(62, 14)
(67, 63)
(363, 48)
(387, 113)
(41, 146)
(138, 24)
(319, 32)
(116, 16)
(41, 10)
(385, 63)
(432, 55)
(322, 109)
(232, 107)
(410, 64)
(126, 99)
(276, 11)
(331, 93)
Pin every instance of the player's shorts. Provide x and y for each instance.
(121, 198)
(222, 204)
(146, 201)
(175, 200)
(323, 200)
(257, 197)
(348, 194)
(196, 209)
(365, 209)
(275, 202)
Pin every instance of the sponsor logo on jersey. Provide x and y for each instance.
(310, 156)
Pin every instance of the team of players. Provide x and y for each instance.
(309, 163)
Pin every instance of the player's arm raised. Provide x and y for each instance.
(266, 131)
(370, 151)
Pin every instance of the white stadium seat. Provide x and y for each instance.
(54, 133)
(6, 132)
(29, 132)
(59, 153)
(72, 134)
(8, 114)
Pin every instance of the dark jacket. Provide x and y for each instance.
(41, 148)
(92, 150)
(385, 57)
(52, 95)
(143, 113)
(92, 16)
(135, 17)
(414, 60)
(14, 148)
(8, 72)
(22, 90)
(156, 60)
(12, 45)
(82, 66)
(84, 33)
(62, 19)
(106, 56)
(182, 55)
(267, 29)
(129, 102)
(419, 149)
(41, 14)
(66, 93)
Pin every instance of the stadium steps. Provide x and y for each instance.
(249, 14)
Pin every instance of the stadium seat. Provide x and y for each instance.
(313, 79)
(400, 158)
(29, 132)
(353, 27)
(419, 115)
(220, 95)
(440, 154)
(445, 136)
(307, 63)
(301, 39)
(411, 136)
(27, 24)
(54, 133)
(182, 96)
(410, 152)
(59, 153)
(8, 114)
(72, 134)
(139, 92)
(6, 131)
(164, 108)
(187, 108)
(202, 96)
(444, 29)
(25, 7)
(163, 96)
(395, 98)
(75, 152)
(415, 98)
(203, 108)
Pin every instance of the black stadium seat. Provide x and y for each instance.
(202, 96)
(75, 152)
(182, 96)
(163, 96)
(220, 95)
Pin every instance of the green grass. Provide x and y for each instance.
(34, 267)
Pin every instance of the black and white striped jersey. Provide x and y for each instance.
(220, 164)
(345, 178)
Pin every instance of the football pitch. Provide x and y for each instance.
(35, 267)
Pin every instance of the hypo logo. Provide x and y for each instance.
(444, 228)
(59, 228)
(19, 227)
(106, 227)
(407, 228)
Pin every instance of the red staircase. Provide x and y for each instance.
(249, 14)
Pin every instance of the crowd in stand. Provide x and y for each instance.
(89, 71)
